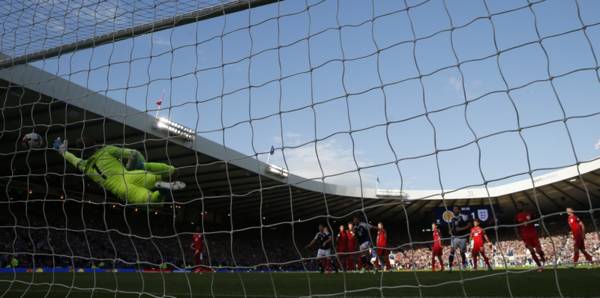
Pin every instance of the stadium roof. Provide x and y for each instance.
(221, 180)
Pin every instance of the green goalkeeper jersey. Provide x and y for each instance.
(106, 168)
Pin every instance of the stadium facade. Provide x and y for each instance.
(224, 183)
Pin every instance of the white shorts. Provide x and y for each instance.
(364, 246)
(321, 253)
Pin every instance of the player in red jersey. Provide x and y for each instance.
(383, 253)
(342, 247)
(528, 234)
(352, 246)
(477, 237)
(197, 247)
(436, 248)
(578, 230)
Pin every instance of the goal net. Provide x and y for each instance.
(245, 147)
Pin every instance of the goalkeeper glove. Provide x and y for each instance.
(60, 145)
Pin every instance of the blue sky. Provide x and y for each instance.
(305, 99)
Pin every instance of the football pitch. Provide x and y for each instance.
(572, 283)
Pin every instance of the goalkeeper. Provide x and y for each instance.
(138, 182)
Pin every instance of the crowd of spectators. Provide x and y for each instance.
(509, 253)
(45, 241)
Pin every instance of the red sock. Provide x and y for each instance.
(588, 257)
(350, 262)
(535, 258)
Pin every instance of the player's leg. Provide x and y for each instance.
(161, 190)
(587, 256)
(360, 261)
(540, 252)
(533, 255)
(441, 261)
(158, 173)
(142, 178)
(333, 262)
(382, 259)
(327, 260)
(485, 258)
(322, 265)
(139, 186)
(197, 258)
(320, 260)
(386, 255)
(453, 246)
(474, 255)
(134, 194)
(433, 261)
(463, 251)
(581, 245)
(339, 260)
(128, 192)
(350, 265)
(381, 262)
(362, 257)
(158, 168)
(373, 255)
(575, 251)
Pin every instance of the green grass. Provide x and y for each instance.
(573, 283)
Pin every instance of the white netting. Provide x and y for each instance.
(279, 116)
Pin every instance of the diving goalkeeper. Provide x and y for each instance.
(137, 182)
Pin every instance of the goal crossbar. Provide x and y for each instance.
(204, 13)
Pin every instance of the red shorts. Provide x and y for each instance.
(477, 248)
(531, 241)
(436, 250)
(351, 247)
(578, 241)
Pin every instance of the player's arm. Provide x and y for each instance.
(582, 226)
(368, 226)
(77, 162)
(469, 224)
(466, 227)
(486, 238)
(61, 147)
(312, 242)
(194, 249)
(327, 241)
